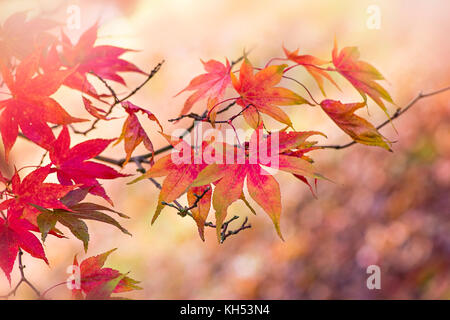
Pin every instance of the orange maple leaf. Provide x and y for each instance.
(360, 74)
(259, 94)
(359, 129)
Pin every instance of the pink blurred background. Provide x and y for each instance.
(387, 209)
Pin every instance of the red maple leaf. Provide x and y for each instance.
(179, 173)
(259, 94)
(133, 133)
(30, 106)
(262, 187)
(34, 191)
(103, 60)
(98, 283)
(211, 84)
(95, 111)
(14, 234)
(72, 167)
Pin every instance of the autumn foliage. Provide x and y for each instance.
(36, 63)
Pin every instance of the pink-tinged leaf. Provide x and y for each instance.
(201, 211)
(98, 282)
(94, 111)
(311, 64)
(295, 139)
(179, 176)
(360, 74)
(297, 166)
(265, 190)
(14, 234)
(227, 191)
(9, 128)
(300, 153)
(133, 133)
(8, 249)
(72, 166)
(19, 35)
(102, 60)
(34, 191)
(211, 85)
(30, 106)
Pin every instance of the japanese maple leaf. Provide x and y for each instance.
(99, 283)
(133, 133)
(300, 153)
(211, 85)
(262, 186)
(201, 211)
(259, 94)
(94, 111)
(20, 36)
(30, 106)
(103, 60)
(74, 220)
(73, 167)
(311, 64)
(14, 234)
(360, 74)
(359, 129)
(34, 191)
(3, 179)
(180, 171)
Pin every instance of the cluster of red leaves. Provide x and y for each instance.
(259, 93)
(97, 282)
(35, 63)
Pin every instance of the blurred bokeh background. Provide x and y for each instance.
(387, 209)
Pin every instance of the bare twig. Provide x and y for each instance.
(143, 158)
(225, 234)
(397, 114)
(185, 211)
(22, 280)
(118, 101)
(205, 118)
(304, 87)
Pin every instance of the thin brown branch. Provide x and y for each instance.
(204, 117)
(143, 158)
(304, 87)
(23, 280)
(397, 114)
(185, 211)
(225, 234)
(118, 101)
